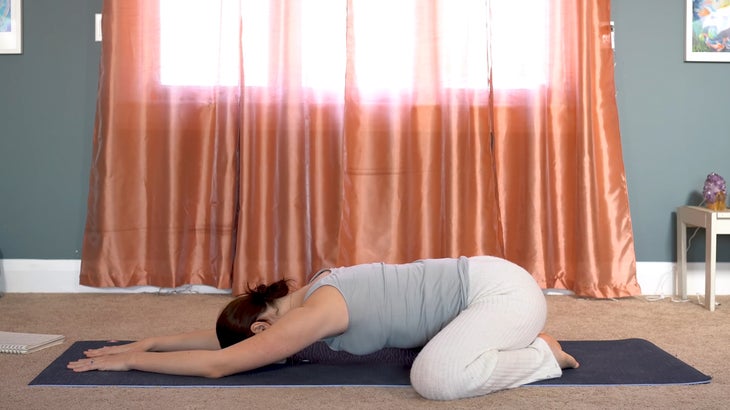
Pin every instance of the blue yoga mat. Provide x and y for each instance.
(603, 363)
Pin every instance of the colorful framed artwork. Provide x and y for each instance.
(707, 30)
(11, 26)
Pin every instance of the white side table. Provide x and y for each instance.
(715, 223)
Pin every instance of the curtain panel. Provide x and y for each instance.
(379, 149)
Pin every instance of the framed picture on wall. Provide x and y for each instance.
(11, 26)
(707, 30)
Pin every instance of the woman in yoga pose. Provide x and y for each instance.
(478, 320)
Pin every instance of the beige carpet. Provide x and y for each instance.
(687, 330)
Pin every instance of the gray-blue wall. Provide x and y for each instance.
(47, 102)
(673, 122)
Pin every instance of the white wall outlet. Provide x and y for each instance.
(97, 27)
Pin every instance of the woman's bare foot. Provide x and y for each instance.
(565, 360)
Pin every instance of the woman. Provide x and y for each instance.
(478, 320)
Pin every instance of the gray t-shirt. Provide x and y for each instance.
(401, 306)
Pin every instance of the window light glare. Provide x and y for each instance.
(200, 45)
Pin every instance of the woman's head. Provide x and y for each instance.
(235, 321)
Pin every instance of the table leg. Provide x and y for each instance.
(680, 284)
(710, 264)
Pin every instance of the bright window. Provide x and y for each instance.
(199, 47)
(200, 44)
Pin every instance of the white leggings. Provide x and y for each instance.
(492, 344)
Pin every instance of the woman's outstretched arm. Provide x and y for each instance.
(192, 362)
(197, 340)
(324, 314)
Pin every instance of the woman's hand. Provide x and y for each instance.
(109, 357)
(115, 362)
(139, 346)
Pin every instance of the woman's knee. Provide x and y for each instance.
(433, 385)
(448, 378)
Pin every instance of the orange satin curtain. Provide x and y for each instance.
(562, 186)
(229, 185)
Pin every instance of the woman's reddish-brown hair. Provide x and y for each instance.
(234, 322)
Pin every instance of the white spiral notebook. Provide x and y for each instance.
(22, 343)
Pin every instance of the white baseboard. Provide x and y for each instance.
(62, 276)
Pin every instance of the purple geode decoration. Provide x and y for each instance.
(714, 186)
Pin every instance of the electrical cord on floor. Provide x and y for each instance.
(661, 295)
(700, 302)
